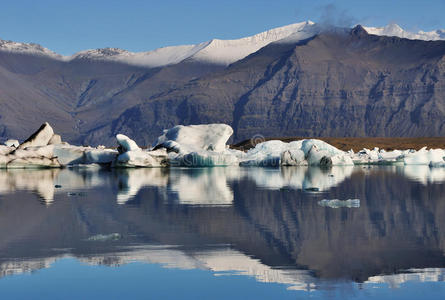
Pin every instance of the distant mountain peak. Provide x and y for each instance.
(396, 30)
(26, 48)
(359, 31)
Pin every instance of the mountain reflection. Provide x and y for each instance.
(264, 223)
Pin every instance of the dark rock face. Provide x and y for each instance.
(335, 84)
(338, 83)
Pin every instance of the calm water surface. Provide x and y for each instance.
(222, 233)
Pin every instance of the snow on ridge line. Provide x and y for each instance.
(216, 51)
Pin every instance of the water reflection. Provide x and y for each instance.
(264, 223)
(206, 186)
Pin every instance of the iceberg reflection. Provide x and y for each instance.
(199, 186)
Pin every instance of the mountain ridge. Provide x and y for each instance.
(339, 82)
(175, 54)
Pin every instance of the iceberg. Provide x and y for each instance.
(298, 153)
(195, 138)
(199, 146)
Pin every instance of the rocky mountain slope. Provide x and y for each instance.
(300, 79)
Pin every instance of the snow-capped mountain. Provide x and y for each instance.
(27, 48)
(215, 51)
(396, 30)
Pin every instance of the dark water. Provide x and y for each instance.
(222, 233)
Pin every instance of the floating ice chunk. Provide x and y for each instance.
(142, 158)
(126, 144)
(12, 143)
(336, 203)
(195, 138)
(199, 146)
(313, 152)
(39, 138)
(132, 156)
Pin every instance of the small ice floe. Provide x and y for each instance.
(336, 203)
(105, 237)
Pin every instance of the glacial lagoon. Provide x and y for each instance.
(350, 232)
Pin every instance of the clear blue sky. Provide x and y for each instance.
(68, 26)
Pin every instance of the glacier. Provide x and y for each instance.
(202, 145)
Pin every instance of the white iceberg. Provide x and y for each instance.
(304, 152)
(195, 138)
(199, 145)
